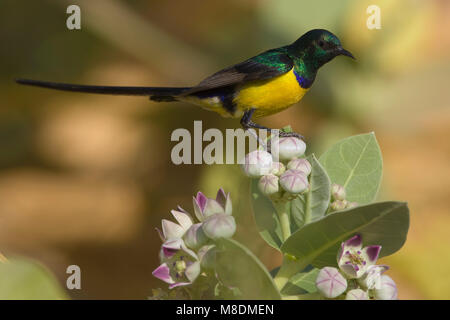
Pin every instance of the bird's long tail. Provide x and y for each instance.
(155, 93)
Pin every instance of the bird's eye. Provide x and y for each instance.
(321, 43)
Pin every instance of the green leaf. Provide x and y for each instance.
(223, 292)
(27, 280)
(356, 164)
(301, 283)
(313, 204)
(237, 267)
(317, 243)
(266, 217)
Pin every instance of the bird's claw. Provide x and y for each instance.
(291, 134)
(283, 134)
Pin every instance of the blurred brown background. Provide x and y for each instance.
(84, 179)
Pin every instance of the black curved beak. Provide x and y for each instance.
(344, 52)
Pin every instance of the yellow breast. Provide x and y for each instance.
(270, 96)
(210, 103)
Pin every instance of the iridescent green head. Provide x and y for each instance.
(317, 47)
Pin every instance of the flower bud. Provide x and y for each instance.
(351, 205)
(290, 148)
(330, 283)
(338, 205)
(268, 184)
(294, 181)
(357, 294)
(338, 192)
(301, 165)
(195, 236)
(220, 225)
(278, 168)
(257, 163)
(388, 289)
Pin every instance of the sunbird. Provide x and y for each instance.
(260, 86)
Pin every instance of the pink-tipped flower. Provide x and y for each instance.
(372, 278)
(172, 230)
(301, 165)
(290, 148)
(294, 181)
(180, 266)
(388, 289)
(257, 163)
(330, 283)
(338, 192)
(354, 260)
(220, 225)
(268, 184)
(205, 207)
(278, 168)
(356, 294)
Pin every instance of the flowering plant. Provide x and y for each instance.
(319, 213)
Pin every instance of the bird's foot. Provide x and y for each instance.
(248, 124)
(284, 134)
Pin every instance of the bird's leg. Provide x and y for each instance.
(292, 134)
(247, 123)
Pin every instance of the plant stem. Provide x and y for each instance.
(308, 207)
(284, 220)
(287, 270)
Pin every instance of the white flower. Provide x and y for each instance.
(388, 289)
(268, 184)
(354, 260)
(330, 282)
(290, 148)
(180, 266)
(357, 294)
(220, 225)
(195, 237)
(294, 181)
(172, 230)
(257, 163)
(372, 278)
(301, 165)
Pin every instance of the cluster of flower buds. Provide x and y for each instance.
(358, 277)
(283, 179)
(339, 202)
(187, 246)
